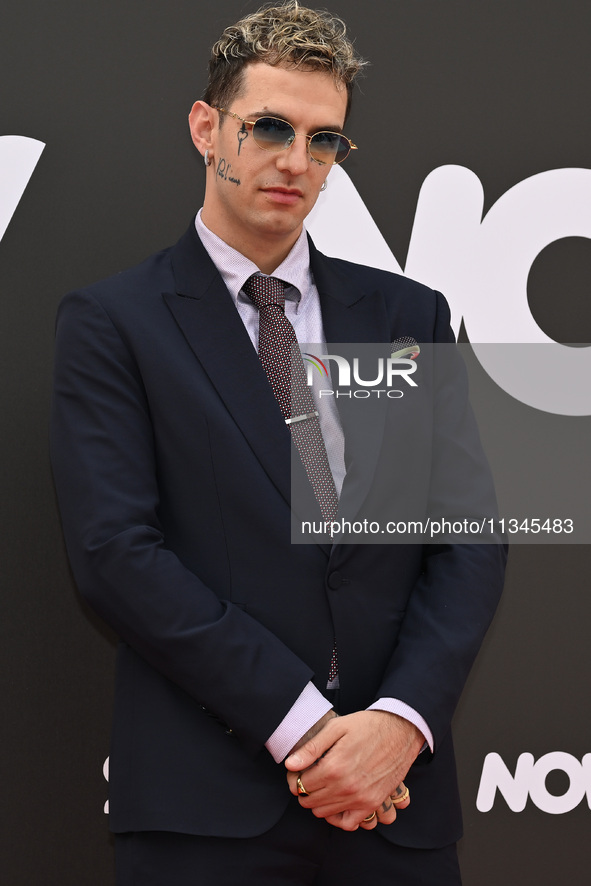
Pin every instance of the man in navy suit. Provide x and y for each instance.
(243, 657)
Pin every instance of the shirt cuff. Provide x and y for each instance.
(395, 706)
(307, 709)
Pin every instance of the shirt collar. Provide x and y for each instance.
(235, 268)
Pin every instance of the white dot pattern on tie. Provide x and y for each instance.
(285, 370)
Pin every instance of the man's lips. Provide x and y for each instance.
(279, 194)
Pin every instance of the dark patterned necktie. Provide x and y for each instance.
(284, 367)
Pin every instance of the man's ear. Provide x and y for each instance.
(202, 122)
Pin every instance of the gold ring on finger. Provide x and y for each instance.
(370, 817)
(301, 789)
(402, 797)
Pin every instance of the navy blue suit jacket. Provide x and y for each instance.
(172, 466)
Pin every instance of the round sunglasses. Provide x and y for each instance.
(274, 134)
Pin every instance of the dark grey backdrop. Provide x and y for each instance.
(500, 87)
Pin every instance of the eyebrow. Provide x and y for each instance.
(269, 113)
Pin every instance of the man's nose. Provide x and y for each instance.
(294, 159)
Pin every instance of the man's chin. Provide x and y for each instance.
(277, 224)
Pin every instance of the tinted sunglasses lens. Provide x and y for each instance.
(273, 134)
(329, 147)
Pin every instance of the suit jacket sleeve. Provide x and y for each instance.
(454, 599)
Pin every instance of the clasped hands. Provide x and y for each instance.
(354, 766)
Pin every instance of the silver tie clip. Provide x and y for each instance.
(290, 421)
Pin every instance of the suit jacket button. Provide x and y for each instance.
(335, 581)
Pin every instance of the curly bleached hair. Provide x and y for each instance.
(286, 36)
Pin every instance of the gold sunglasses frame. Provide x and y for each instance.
(352, 147)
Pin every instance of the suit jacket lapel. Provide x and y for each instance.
(203, 308)
(351, 314)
